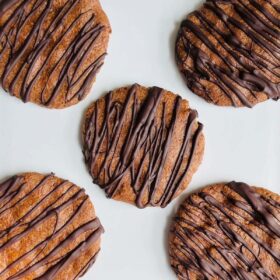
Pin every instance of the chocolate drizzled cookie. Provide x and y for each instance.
(48, 229)
(227, 231)
(229, 51)
(51, 50)
(142, 145)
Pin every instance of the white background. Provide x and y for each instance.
(241, 144)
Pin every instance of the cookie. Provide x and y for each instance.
(229, 51)
(227, 231)
(48, 229)
(142, 145)
(51, 50)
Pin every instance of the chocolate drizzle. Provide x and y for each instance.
(227, 240)
(56, 53)
(248, 67)
(39, 206)
(139, 155)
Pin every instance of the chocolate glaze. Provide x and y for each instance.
(6, 4)
(237, 259)
(13, 193)
(251, 71)
(147, 139)
(39, 43)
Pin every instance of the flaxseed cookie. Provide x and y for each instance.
(48, 229)
(142, 145)
(227, 231)
(51, 50)
(229, 51)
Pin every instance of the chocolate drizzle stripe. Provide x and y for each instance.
(260, 209)
(41, 256)
(222, 234)
(41, 246)
(17, 192)
(82, 272)
(145, 137)
(39, 44)
(26, 216)
(6, 4)
(96, 231)
(261, 27)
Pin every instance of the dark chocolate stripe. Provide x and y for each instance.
(222, 234)
(39, 43)
(6, 4)
(259, 25)
(145, 137)
(92, 226)
(38, 257)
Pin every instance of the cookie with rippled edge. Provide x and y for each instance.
(51, 50)
(227, 231)
(142, 145)
(229, 51)
(48, 229)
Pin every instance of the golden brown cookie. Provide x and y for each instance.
(48, 229)
(51, 50)
(229, 51)
(227, 231)
(142, 145)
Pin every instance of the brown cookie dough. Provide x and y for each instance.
(227, 231)
(48, 229)
(51, 50)
(142, 145)
(229, 51)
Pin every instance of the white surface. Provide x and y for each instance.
(241, 144)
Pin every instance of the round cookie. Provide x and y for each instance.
(227, 231)
(142, 145)
(229, 51)
(48, 229)
(51, 50)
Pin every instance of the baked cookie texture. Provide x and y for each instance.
(142, 145)
(48, 229)
(227, 231)
(229, 51)
(51, 50)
